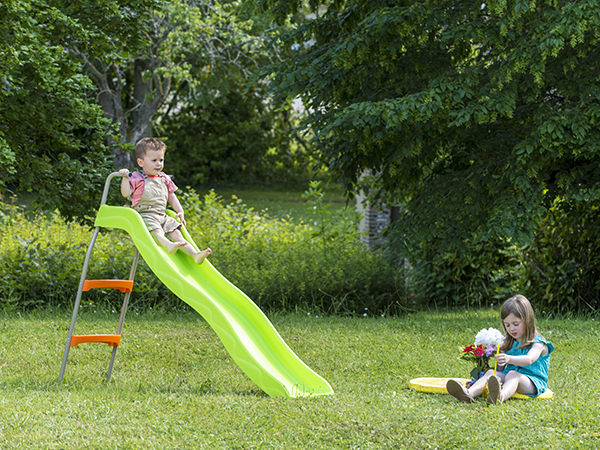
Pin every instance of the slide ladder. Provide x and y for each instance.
(245, 331)
(125, 286)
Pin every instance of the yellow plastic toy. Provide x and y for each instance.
(438, 386)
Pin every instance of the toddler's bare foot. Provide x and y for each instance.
(201, 256)
(174, 246)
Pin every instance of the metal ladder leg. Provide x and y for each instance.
(86, 264)
(113, 355)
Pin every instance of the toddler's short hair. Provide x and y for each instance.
(148, 144)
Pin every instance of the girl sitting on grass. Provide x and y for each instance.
(523, 361)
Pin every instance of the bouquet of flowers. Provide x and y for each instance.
(486, 344)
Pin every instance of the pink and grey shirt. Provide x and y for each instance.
(136, 184)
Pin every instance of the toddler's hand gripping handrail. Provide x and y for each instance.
(107, 185)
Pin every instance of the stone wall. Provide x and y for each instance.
(373, 221)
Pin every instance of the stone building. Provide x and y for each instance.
(374, 220)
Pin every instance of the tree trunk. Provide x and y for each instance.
(109, 97)
(148, 93)
(141, 121)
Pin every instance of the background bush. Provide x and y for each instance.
(41, 258)
(318, 266)
(560, 269)
(313, 265)
(243, 140)
(476, 275)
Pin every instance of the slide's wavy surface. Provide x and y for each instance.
(245, 331)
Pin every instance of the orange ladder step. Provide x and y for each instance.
(122, 285)
(110, 339)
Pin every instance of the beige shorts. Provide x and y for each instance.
(154, 220)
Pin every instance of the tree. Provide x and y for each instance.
(51, 134)
(224, 130)
(474, 116)
(56, 125)
(186, 43)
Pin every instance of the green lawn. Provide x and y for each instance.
(175, 387)
(286, 203)
(282, 203)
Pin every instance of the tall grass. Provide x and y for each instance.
(175, 387)
(315, 265)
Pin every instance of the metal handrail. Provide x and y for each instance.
(107, 185)
(84, 270)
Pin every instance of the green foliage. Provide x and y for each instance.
(235, 138)
(560, 269)
(474, 117)
(51, 133)
(192, 52)
(282, 266)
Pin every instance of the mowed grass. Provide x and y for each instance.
(285, 203)
(175, 387)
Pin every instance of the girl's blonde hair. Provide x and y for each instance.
(521, 308)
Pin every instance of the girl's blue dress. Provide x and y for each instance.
(536, 372)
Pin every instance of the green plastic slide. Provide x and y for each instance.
(245, 331)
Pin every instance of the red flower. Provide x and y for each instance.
(468, 349)
(479, 351)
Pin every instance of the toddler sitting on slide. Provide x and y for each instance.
(150, 191)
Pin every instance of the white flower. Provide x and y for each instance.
(296, 47)
(489, 338)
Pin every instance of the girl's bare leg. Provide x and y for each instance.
(476, 389)
(516, 382)
(188, 249)
(160, 238)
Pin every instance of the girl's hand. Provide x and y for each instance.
(124, 173)
(522, 360)
(180, 216)
(502, 358)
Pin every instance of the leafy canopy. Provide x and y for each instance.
(51, 132)
(475, 116)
